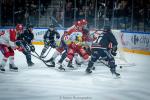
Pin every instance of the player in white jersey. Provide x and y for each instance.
(7, 46)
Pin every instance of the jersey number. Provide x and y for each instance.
(98, 39)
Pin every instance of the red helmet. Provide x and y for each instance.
(83, 21)
(19, 27)
(78, 23)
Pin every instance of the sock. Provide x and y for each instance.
(4, 61)
(11, 60)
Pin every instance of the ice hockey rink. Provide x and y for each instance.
(42, 83)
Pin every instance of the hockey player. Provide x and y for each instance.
(100, 49)
(63, 46)
(49, 39)
(86, 41)
(75, 47)
(24, 40)
(7, 46)
(65, 39)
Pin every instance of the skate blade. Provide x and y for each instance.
(60, 70)
(88, 73)
(50, 65)
(2, 71)
(116, 77)
(12, 70)
(72, 68)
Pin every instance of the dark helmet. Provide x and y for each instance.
(51, 26)
(29, 26)
(107, 28)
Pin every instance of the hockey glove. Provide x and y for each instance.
(87, 49)
(32, 48)
(52, 44)
(114, 50)
(47, 41)
(113, 53)
(19, 48)
(58, 36)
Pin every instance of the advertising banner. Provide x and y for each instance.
(130, 41)
(136, 41)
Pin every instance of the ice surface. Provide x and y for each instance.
(42, 83)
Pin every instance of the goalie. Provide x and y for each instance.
(100, 48)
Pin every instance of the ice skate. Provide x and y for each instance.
(70, 65)
(13, 67)
(50, 62)
(61, 68)
(114, 73)
(93, 68)
(77, 64)
(30, 64)
(88, 70)
(2, 68)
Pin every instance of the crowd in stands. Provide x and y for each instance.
(89, 9)
(20, 10)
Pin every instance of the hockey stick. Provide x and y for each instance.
(47, 53)
(105, 63)
(38, 57)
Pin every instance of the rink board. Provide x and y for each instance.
(134, 42)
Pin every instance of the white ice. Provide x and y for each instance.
(42, 83)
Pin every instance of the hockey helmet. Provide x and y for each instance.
(19, 27)
(29, 26)
(107, 28)
(51, 26)
(78, 24)
(83, 21)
